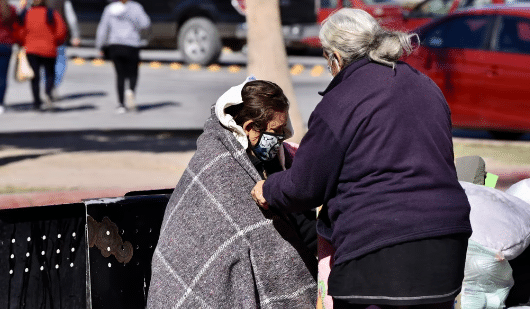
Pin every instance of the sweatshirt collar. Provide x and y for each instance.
(345, 73)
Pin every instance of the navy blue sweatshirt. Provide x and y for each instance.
(379, 155)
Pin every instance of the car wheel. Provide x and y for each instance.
(505, 135)
(199, 41)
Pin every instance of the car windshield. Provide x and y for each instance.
(435, 8)
(370, 2)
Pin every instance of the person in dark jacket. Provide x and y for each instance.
(378, 155)
(42, 31)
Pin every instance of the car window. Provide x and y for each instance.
(473, 3)
(514, 35)
(462, 32)
(328, 4)
(348, 3)
(437, 8)
(432, 8)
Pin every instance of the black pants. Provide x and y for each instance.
(126, 60)
(36, 62)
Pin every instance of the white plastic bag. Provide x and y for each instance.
(521, 190)
(487, 278)
(500, 221)
(23, 70)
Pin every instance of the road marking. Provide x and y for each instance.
(317, 70)
(175, 66)
(98, 62)
(79, 61)
(194, 67)
(297, 69)
(155, 65)
(234, 68)
(214, 68)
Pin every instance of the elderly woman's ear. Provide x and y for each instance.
(335, 62)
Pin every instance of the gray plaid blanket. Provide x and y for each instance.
(217, 249)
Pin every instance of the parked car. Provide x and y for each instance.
(427, 10)
(480, 59)
(385, 11)
(199, 28)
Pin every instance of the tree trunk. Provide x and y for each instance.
(267, 58)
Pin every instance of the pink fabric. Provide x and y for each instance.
(325, 261)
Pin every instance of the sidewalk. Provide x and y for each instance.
(92, 116)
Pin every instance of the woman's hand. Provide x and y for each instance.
(257, 195)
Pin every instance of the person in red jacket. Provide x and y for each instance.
(7, 19)
(42, 30)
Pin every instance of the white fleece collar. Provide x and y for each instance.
(233, 97)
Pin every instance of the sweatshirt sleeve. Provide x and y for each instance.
(71, 19)
(103, 30)
(313, 177)
(142, 20)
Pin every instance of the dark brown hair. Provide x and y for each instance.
(261, 99)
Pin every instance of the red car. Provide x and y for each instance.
(385, 11)
(427, 10)
(480, 59)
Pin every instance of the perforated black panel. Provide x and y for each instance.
(43, 257)
(135, 220)
(47, 262)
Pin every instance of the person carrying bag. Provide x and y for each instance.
(23, 70)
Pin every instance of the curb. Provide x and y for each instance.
(32, 199)
(181, 133)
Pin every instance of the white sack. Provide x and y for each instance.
(500, 221)
(487, 278)
(521, 190)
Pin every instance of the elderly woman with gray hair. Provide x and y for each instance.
(378, 155)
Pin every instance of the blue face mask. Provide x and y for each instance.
(268, 146)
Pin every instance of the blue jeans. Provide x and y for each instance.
(60, 66)
(5, 56)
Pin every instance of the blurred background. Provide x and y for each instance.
(477, 51)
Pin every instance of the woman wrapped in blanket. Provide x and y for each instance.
(216, 248)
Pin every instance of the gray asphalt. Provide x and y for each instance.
(168, 97)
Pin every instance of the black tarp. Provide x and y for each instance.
(50, 258)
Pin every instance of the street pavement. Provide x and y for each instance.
(170, 95)
(174, 97)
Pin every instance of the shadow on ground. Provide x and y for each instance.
(144, 141)
(482, 134)
(146, 107)
(17, 158)
(74, 96)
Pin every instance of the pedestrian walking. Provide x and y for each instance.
(7, 39)
(119, 32)
(378, 155)
(42, 31)
(66, 9)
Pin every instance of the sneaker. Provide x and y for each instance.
(55, 95)
(121, 110)
(2, 109)
(47, 103)
(129, 99)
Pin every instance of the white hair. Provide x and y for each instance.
(355, 34)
